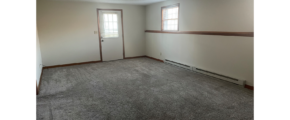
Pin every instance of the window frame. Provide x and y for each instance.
(164, 7)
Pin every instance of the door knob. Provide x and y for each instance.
(102, 40)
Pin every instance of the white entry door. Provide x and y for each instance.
(111, 35)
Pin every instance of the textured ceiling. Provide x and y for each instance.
(135, 2)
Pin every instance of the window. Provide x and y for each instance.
(110, 25)
(170, 16)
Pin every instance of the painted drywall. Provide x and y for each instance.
(38, 60)
(227, 55)
(131, 2)
(66, 31)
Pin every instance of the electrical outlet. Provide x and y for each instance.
(95, 32)
(160, 54)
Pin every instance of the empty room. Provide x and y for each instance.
(145, 59)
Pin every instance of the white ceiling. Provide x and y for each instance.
(134, 2)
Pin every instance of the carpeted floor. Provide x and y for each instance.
(138, 89)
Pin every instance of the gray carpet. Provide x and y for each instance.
(138, 89)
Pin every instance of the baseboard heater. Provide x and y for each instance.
(206, 72)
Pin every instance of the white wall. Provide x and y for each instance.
(66, 31)
(38, 60)
(227, 55)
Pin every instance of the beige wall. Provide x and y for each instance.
(38, 60)
(66, 31)
(206, 15)
(227, 55)
(66, 34)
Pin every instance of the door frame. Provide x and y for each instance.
(99, 32)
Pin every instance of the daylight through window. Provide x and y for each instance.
(110, 25)
(170, 18)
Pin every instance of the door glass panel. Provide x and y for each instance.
(110, 25)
